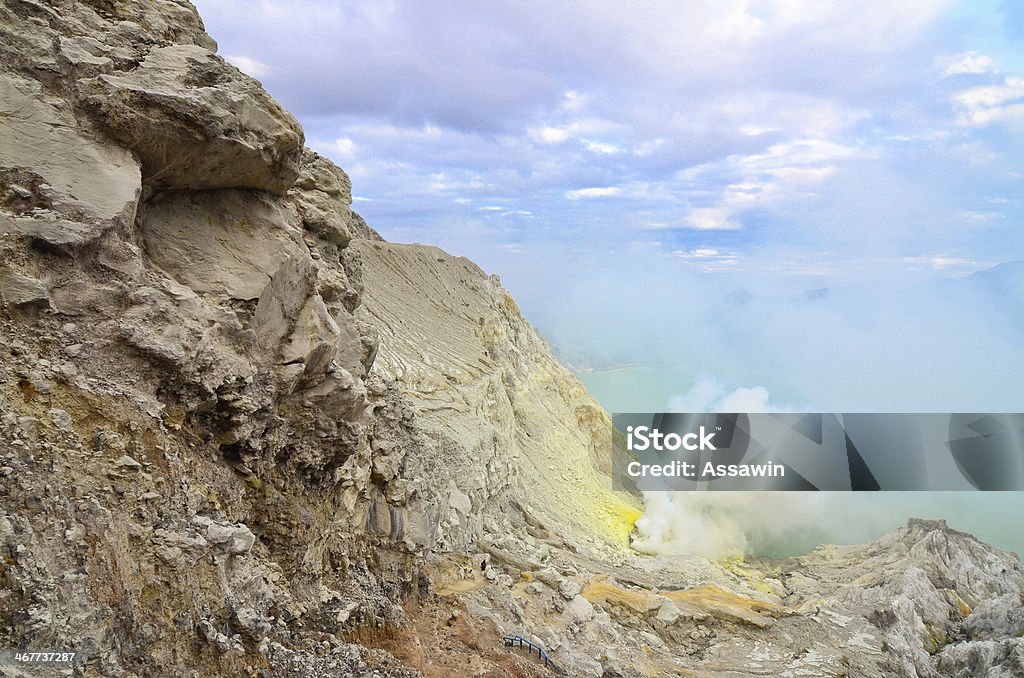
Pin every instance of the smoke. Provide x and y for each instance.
(711, 395)
(878, 341)
(784, 524)
(719, 524)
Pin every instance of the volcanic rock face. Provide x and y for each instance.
(188, 414)
(456, 345)
(242, 435)
(194, 123)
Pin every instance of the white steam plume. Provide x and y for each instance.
(719, 524)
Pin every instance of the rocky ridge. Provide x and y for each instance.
(242, 435)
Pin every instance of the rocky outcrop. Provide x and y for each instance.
(195, 122)
(513, 424)
(322, 195)
(922, 601)
(189, 414)
(205, 240)
(57, 185)
(242, 435)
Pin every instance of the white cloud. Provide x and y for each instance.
(601, 147)
(753, 130)
(978, 217)
(783, 172)
(687, 118)
(592, 126)
(574, 101)
(388, 132)
(942, 262)
(549, 135)
(248, 65)
(737, 27)
(707, 259)
(711, 219)
(802, 152)
(649, 146)
(344, 147)
(992, 103)
(594, 192)
(755, 110)
(442, 181)
(970, 63)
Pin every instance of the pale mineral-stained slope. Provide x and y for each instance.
(516, 423)
(241, 435)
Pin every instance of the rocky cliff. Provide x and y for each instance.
(242, 435)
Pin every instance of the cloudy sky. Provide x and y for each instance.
(819, 137)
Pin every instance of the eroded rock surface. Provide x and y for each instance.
(188, 407)
(196, 122)
(520, 424)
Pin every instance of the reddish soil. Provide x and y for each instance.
(444, 641)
